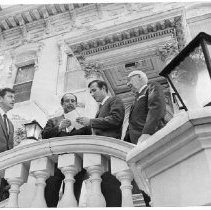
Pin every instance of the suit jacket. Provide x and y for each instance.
(147, 113)
(6, 141)
(52, 129)
(109, 119)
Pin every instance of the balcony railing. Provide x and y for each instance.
(72, 154)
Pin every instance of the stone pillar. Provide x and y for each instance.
(96, 165)
(122, 172)
(174, 164)
(126, 177)
(70, 165)
(41, 169)
(16, 176)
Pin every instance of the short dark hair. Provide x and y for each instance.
(100, 84)
(4, 91)
(62, 99)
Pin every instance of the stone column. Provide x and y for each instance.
(70, 165)
(96, 165)
(16, 176)
(41, 169)
(126, 177)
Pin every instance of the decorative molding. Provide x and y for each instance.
(90, 68)
(27, 54)
(64, 50)
(167, 51)
(133, 36)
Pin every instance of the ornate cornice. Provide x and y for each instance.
(143, 33)
(31, 13)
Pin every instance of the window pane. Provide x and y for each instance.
(25, 74)
(22, 91)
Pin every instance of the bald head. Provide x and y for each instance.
(141, 74)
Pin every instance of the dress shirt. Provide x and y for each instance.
(104, 100)
(142, 88)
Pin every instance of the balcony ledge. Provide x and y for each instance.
(173, 148)
(70, 144)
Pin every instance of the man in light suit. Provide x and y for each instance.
(149, 109)
(108, 122)
(56, 127)
(7, 101)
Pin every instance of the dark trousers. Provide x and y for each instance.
(4, 189)
(110, 187)
(53, 184)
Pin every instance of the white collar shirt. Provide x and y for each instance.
(142, 88)
(104, 100)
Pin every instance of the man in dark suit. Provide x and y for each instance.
(149, 109)
(108, 122)
(56, 127)
(7, 101)
(146, 114)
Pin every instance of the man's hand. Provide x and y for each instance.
(142, 138)
(85, 121)
(64, 124)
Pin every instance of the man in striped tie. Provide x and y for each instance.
(7, 101)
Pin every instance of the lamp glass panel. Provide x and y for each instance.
(192, 80)
(30, 130)
(37, 131)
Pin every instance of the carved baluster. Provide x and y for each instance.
(16, 176)
(86, 190)
(96, 166)
(70, 165)
(41, 169)
(122, 172)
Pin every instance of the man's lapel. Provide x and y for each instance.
(137, 98)
(101, 106)
(3, 127)
(141, 94)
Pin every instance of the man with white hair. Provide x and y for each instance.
(148, 111)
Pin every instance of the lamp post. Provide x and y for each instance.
(33, 130)
(189, 74)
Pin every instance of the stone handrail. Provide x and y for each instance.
(71, 144)
(36, 159)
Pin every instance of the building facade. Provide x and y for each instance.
(46, 50)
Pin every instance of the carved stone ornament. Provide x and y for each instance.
(133, 36)
(167, 51)
(90, 68)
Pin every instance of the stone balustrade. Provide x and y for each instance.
(173, 165)
(36, 161)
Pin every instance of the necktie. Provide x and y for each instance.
(5, 123)
(98, 110)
